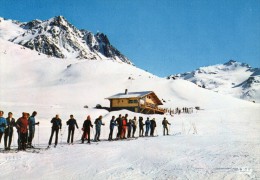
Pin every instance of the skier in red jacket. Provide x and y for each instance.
(22, 129)
(124, 123)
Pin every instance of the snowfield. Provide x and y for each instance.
(226, 145)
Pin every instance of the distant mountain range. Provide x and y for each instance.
(57, 37)
(232, 78)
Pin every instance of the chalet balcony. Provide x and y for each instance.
(149, 108)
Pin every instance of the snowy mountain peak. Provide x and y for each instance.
(236, 64)
(234, 78)
(59, 38)
(230, 62)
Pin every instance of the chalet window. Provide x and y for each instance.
(132, 101)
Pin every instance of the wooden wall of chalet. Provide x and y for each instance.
(124, 102)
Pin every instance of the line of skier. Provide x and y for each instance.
(25, 126)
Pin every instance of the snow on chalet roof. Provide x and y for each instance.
(134, 95)
(129, 95)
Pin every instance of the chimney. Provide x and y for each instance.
(126, 91)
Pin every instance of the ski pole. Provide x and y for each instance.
(61, 136)
(78, 134)
(9, 133)
(93, 134)
(33, 137)
(13, 138)
(104, 136)
(26, 144)
(38, 136)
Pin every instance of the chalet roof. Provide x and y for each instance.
(135, 95)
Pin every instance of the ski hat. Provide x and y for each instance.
(34, 113)
(88, 117)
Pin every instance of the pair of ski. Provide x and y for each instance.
(148, 136)
(175, 134)
(123, 139)
(16, 150)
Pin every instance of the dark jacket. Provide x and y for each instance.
(147, 123)
(165, 122)
(119, 121)
(130, 123)
(141, 124)
(56, 123)
(112, 124)
(10, 123)
(72, 123)
(153, 124)
(86, 125)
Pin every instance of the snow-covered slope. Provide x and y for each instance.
(57, 37)
(226, 145)
(232, 78)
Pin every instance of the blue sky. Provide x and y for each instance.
(161, 36)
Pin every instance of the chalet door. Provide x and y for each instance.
(136, 109)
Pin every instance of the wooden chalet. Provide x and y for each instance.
(143, 102)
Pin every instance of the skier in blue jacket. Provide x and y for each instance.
(2, 124)
(98, 123)
(32, 124)
(112, 125)
(147, 126)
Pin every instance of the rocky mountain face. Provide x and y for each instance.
(57, 37)
(234, 78)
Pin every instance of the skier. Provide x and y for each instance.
(2, 124)
(164, 123)
(56, 125)
(22, 129)
(147, 126)
(129, 128)
(141, 127)
(153, 125)
(9, 130)
(71, 123)
(124, 127)
(112, 125)
(98, 123)
(86, 128)
(120, 126)
(134, 126)
(32, 124)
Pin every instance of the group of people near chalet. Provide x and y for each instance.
(25, 125)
